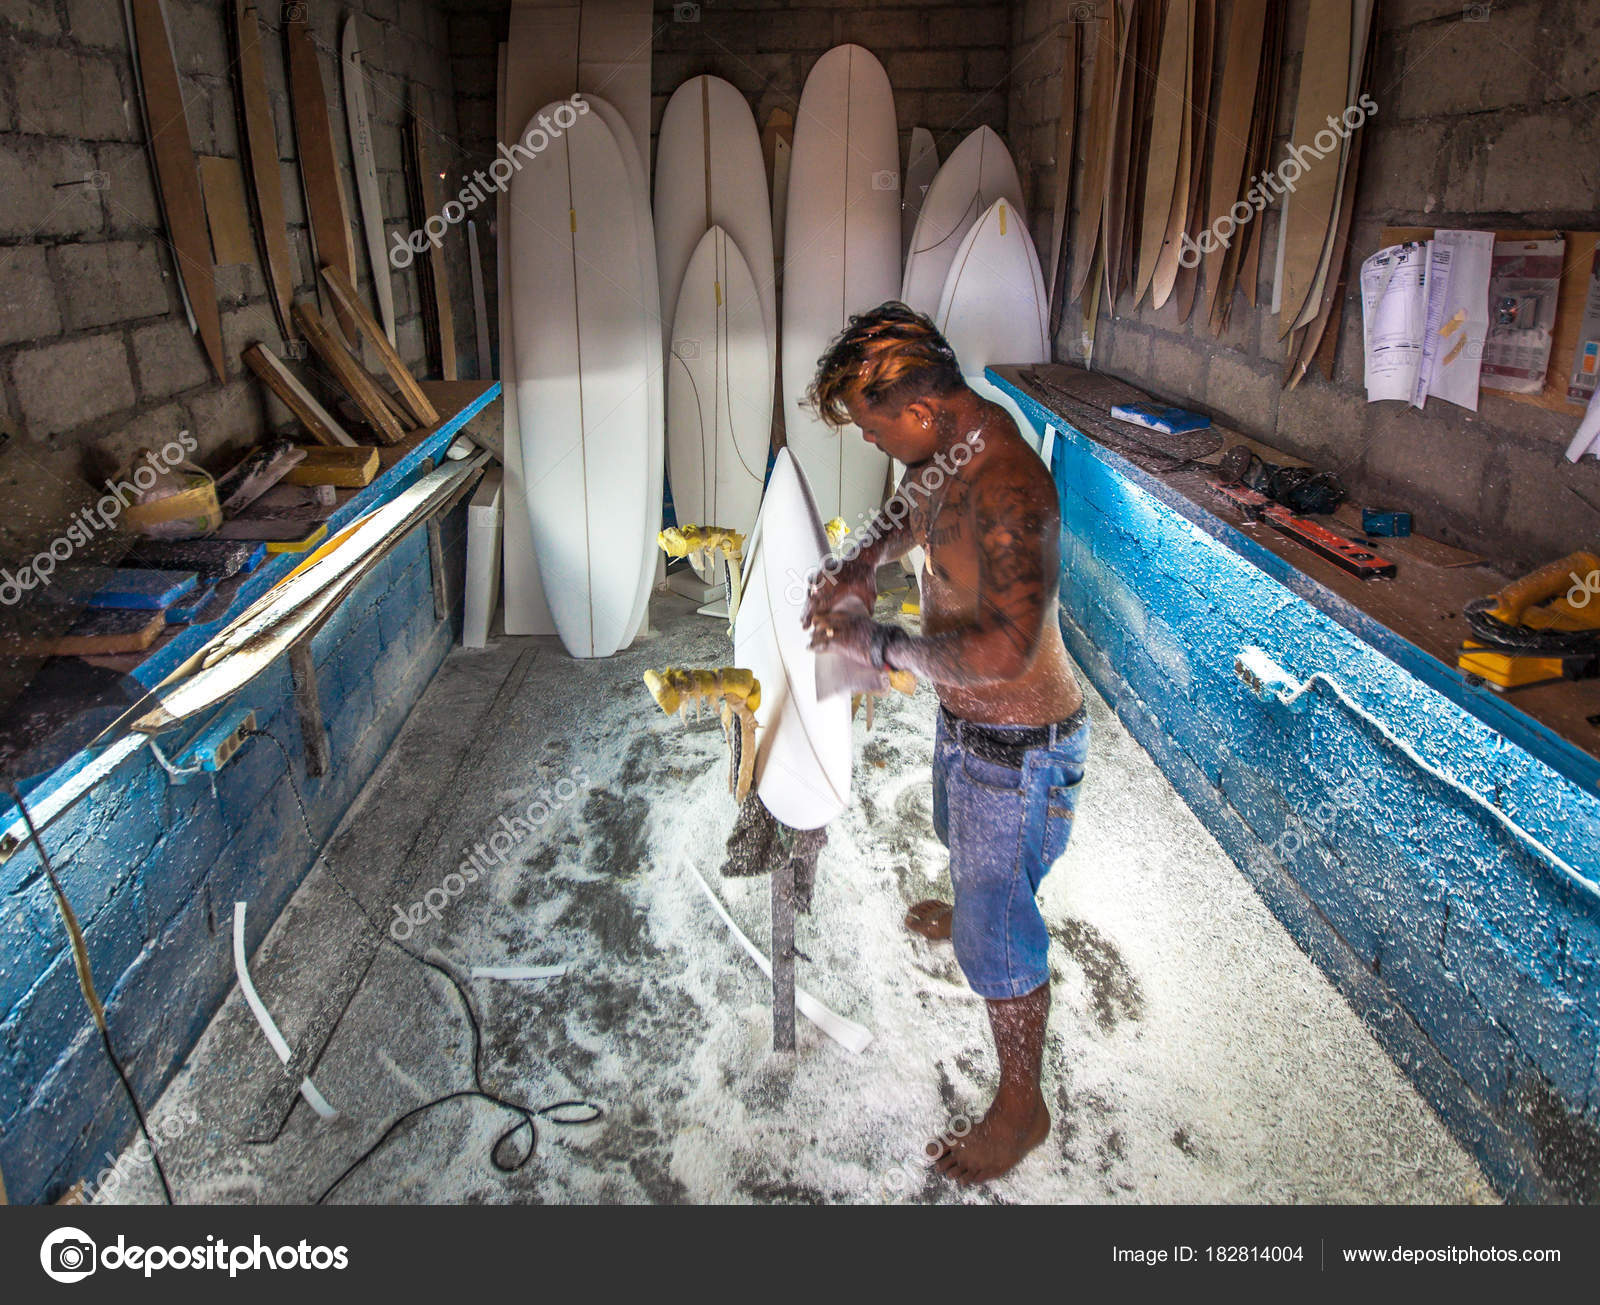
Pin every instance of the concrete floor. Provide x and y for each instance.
(1195, 1054)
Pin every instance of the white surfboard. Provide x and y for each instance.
(842, 243)
(802, 766)
(922, 164)
(366, 168)
(649, 315)
(582, 379)
(719, 405)
(979, 172)
(995, 308)
(541, 42)
(710, 172)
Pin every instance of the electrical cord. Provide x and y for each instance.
(80, 958)
(527, 1115)
(1490, 629)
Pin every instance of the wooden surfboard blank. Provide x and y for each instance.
(322, 424)
(1266, 115)
(1241, 68)
(259, 139)
(777, 144)
(344, 296)
(352, 377)
(177, 175)
(1187, 277)
(1360, 53)
(1113, 215)
(437, 320)
(1169, 135)
(327, 214)
(1323, 85)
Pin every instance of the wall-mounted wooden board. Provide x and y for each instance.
(259, 139)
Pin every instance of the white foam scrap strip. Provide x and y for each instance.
(518, 971)
(258, 1008)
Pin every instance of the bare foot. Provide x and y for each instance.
(931, 919)
(996, 1143)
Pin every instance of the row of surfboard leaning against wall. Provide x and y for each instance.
(644, 336)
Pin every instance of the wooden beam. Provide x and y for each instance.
(318, 421)
(411, 393)
(177, 175)
(308, 707)
(349, 373)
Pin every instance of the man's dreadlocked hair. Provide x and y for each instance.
(888, 357)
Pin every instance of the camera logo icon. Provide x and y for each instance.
(67, 1255)
(686, 349)
(686, 13)
(885, 180)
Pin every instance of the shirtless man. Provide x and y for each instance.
(1012, 734)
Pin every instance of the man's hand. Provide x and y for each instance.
(846, 633)
(853, 587)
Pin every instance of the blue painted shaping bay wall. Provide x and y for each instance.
(153, 870)
(1471, 950)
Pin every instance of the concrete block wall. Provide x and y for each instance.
(153, 871)
(1474, 959)
(947, 63)
(95, 352)
(1487, 119)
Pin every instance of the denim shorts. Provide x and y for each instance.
(1005, 827)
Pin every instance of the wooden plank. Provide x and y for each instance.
(222, 186)
(1097, 151)
(258, 138)
(261, 469)
(1066, 147)
(349, 373)
(346, 468)
(411, 393)
(308, 707)
(1308, 210)
(358, 117)
(321, 424)
(177, 179)
(114, 630)
(480, 307)
(436, 312)
(327, 214)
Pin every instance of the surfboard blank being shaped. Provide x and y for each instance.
(802, 769)
(842, 256)
(582, 378)
(979, 172)
(719, 402)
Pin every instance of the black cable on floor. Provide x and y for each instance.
(80, 958)
(527, 1115)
